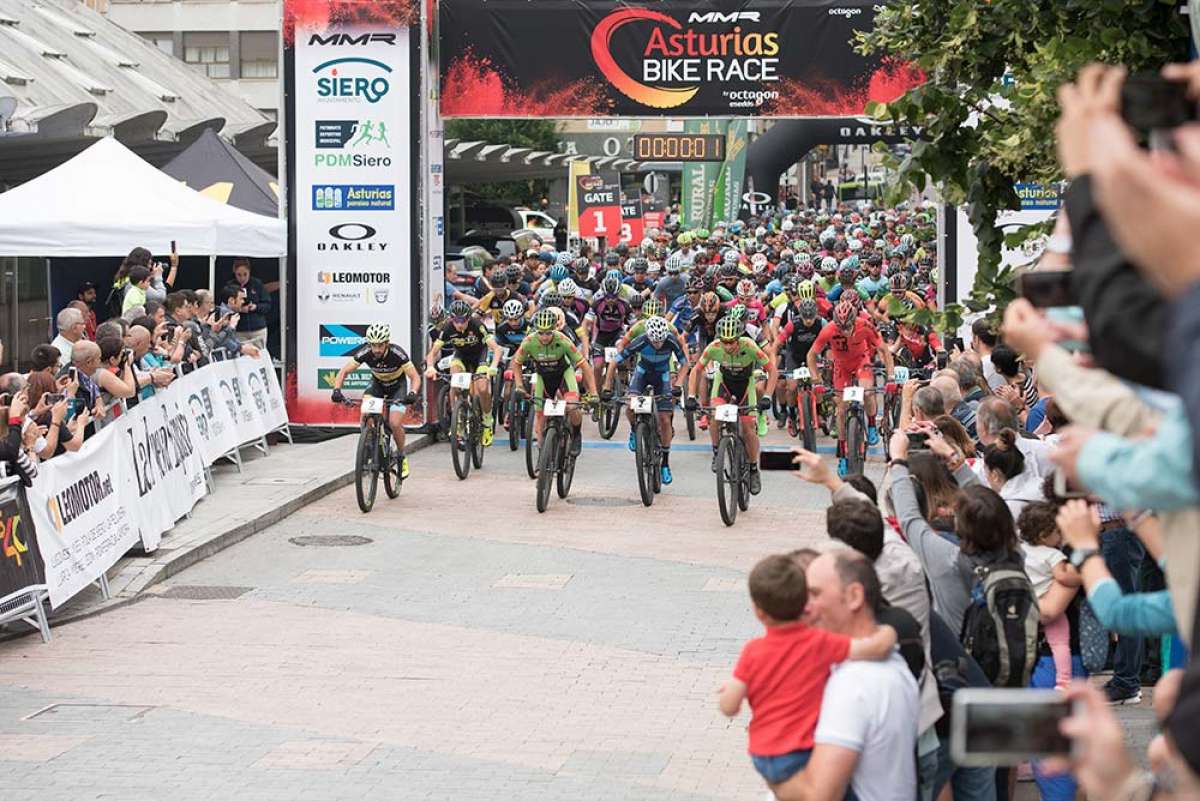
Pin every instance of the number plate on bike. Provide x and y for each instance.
(372, 405)
(642, 404)
(852, 394)
(610, 355)
(727, 413)
(507, 352)
(460, 380)
(444, 362)
(555, 408)
(900, 374)
(801, 374)
(711, 370)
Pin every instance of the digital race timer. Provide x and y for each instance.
(678, 147)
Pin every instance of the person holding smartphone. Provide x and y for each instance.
(15, 442)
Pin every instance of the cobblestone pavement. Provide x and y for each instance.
(472, 649)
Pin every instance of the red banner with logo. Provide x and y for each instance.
(602, 58)
(599, 208)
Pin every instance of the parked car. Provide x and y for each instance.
(494, 218)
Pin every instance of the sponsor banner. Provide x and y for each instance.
(700, 178)
(1039, 197)
(728, 196)
(604, 58)
(576, 169)
(599, 207)
(216, 426)
(632, 226)
(654, 219)
(359, 379)
(84, 514)
(20, 563)
(351, 89)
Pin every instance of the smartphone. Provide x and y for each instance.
(72, 373)
(918, 441)
(1150, 102)
(1064, 489)
(955, 342)
(777, 460)
(1007, 726)
(53, 398)
(172, 247)
(1047, 288)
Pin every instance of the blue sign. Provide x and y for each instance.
(341, 340)
(353, 197)
(1037, 197)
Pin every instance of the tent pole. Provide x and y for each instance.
(212, 275)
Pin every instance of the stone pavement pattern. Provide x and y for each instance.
(472, 650)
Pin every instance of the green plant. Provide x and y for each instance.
(536, 134)
(988, 108)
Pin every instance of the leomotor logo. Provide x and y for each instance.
(676, 60)
(344, 80)
(337, 340)
(353, 277)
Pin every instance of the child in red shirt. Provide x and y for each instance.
(783, 674)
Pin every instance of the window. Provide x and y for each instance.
(163, 41)
(259, 54)
(208, 52)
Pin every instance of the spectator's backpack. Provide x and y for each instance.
(1000, 627)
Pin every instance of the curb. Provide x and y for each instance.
(156, 572)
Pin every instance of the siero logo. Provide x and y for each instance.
(351, 39)
(845, 12)
(717, 16)
(364, 82)
(337, 340)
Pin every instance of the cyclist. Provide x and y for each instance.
(555, 360)
(847, 276)
(747, 296)
(583, 277)
(727, 279)
(654, 348)
(468, 339)
(917, 346)
(389, 365)
(638, 281)
(684, 308)
(737, 358)
(795, 338)
(873, 283)
(493, 302)
(608, 315)
(852, 342)
(900, 292)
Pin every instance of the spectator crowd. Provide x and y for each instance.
(1038, 520)
(92, 371)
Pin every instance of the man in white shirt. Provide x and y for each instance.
(993, 416)
(71, 327)
(867, 734)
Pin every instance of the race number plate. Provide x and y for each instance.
(801, 374)
(460, 380)
(372, 405)
(711, 370)
(642, 404)
(555, 408)
(507, 353)
(444, 363)
(900, 374)
(852, 394)
(610, 355)
(727, 413)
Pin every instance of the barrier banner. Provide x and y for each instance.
(166, 472)
(265, 401)
(20, 565)
(215, 419)
(604, 58)
(83, 512)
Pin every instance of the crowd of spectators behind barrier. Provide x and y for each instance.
(1047, 436)
(92, 371)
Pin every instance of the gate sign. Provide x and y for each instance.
(599, 208)
(632, 229)
(677, 58)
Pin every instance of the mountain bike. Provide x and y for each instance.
(608, 415)
(515, 412)
(733, 468)
(556, 465)
(466, 425)
(648, 451)
(889, 418)
(376, 454)
(442, 403)
(856, 426)
(807, 398)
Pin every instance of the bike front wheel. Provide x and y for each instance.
(545, 478)
(855, 447)
(477, 433)
(393, 462)
(366, 478)
(566, 462)
(532, 454)
(644, 461)
(460, 439)
(728, 479)
(808, 431)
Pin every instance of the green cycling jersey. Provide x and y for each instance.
(737, 367)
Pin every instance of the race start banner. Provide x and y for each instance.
(603, 58)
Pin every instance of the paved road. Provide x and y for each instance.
(472, 649)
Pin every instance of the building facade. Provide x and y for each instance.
(234, 42)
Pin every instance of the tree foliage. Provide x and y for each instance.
(536, 134)
(989, 107)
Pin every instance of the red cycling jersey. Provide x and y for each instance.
(851, 354)
(921, 347)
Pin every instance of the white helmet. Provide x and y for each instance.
(378, 333)
(568, 288)
(513, 308)
(657, 330)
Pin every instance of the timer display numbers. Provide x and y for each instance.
(679, 147)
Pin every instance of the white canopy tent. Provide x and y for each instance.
(108, 200)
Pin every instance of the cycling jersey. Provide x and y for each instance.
(724, 293)
(799, 339)
(493, 303)
(736, 369)
(682, 312)
(836, 292)
(553, 362)
(705, 330)
(511, 336)
(755, 313)
(653, 372)
(610, 313)
(909, 300)
(851, 353)
(578, 307)
(468, 344)
(874, 287)
(386, 369)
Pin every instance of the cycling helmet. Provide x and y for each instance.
(899, 282)
(806, 291)
(695, 285)
(545, 320)
(657, 330)
(674, 263)
(562, 258)
(829, 264)
(379, 333)
(636, 302)
(701, 234)
(906, 241)
(728, 271)
(459, 310)
(805, 269)
(855, 245)
(854, 299)
(874, 260)
(786, 226)
(611, 259)
(850, 261)
(568, 288)
(746, 288)
(610, 285)
(638, 265)
(581, 264)
(515, 273)
(846, 274)
(788, 255)
(551, 298)
(710, 302)
(513, 309)
(738, 312)
(808, 309)
(614, 275)
(844, 314)
(758, 262)
(652, 306)
(730, 257)
(729, 328)
(828, 241)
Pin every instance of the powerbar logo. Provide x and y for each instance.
(350, 160)
(78, 498)
(337, 340)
